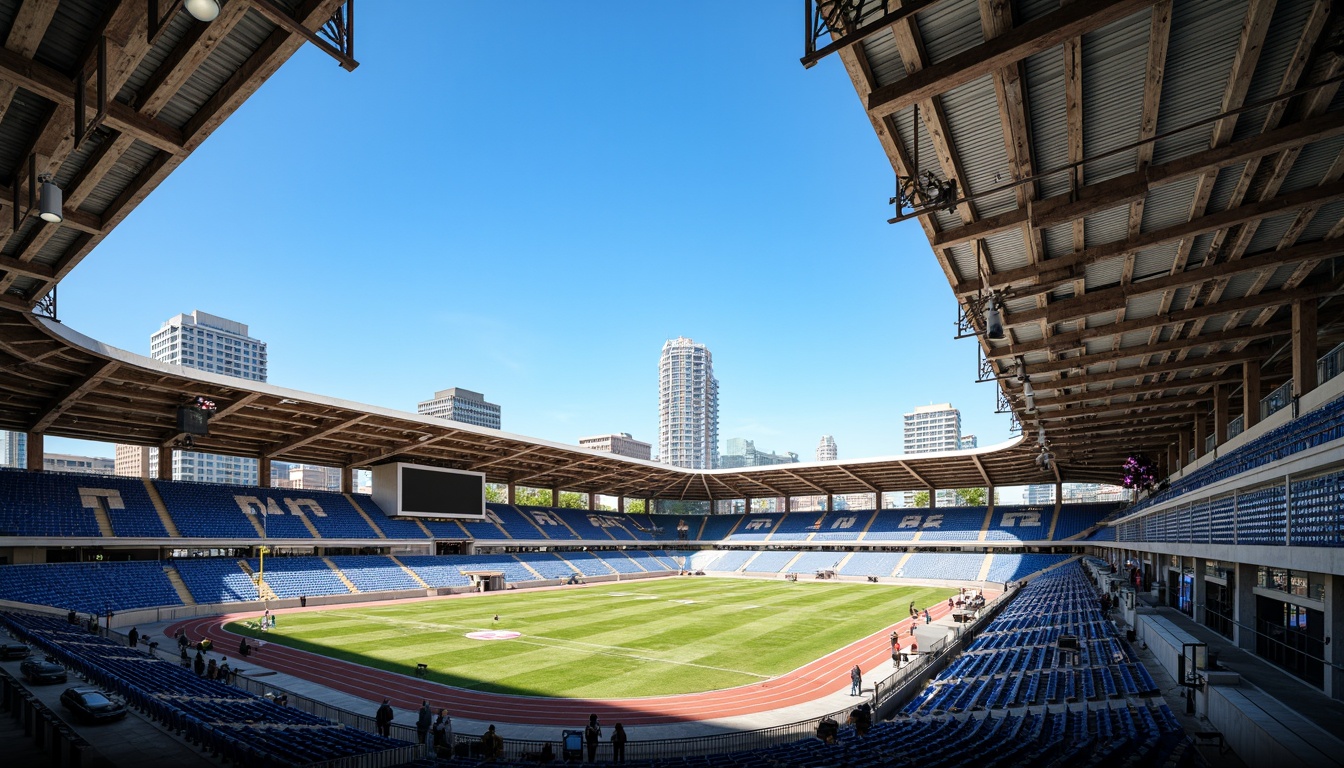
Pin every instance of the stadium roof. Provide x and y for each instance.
(1149, 189)
(61, 383)
(167, 86)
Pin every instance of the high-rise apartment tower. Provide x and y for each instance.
(688, 406)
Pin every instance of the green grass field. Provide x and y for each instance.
(642, 638)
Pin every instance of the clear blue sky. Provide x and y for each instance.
(531, 209)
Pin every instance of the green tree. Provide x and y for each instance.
(571, 500)
(971, 497)
(496, 493)
(532, 497)
(921, 499)
(635, 507)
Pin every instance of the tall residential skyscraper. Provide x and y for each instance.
(457, 404)
(209, 343)
(688, 406)
(13, 450)
(826, 450)
(930, 429)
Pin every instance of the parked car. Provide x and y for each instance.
(10, 651)
(42, 671)
(92, 704)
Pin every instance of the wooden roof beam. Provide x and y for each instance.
(918, 478)
(71, 395)
(389, 452)
(1035, 36)
(1140, 388)
(1107, 194)
(1217, 360)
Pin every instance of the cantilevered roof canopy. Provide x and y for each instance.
(109, 101)
(1151, 190)
(58, 382)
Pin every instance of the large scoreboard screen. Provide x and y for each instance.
(411, 490)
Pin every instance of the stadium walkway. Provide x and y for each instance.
(816, 689)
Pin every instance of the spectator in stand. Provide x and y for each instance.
(199, 664)
(424, 721)
(133, 637)
(441, 735)
(186, 660)
(618, 744)
(384, 720)
(211, 670)
(492, 745)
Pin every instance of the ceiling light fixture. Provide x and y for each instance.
(203, 10)
(1030, 393)
(51, 200)
(993, 319)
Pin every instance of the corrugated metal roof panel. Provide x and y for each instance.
(1312, 163)
(1178, 298)
(1026, 10)
(80, 157)
(950, 28)
(1135, 339)
(223, 61)
(1107, 226)
(75, 24)
(977, 137)
(1112, 94)
(1006, 250)
(1281, 275)
(1058, 240)
(1285, 29)
(56, 247)
(18, 125)
(963, 257)
(883, 59)
(1155, 261)
(1238, 285)
(1105, 273)
(1145, 305)
(1169, 204)
(1224, 186)
(1044, 78)
(119, 178)
(171, 35)
(1270, 232)
(21, 236)
(1030, 332)
(1325, 219)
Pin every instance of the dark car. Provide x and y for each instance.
(42, 671)
(9, 651)
(92, 704)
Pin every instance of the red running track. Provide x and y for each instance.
(807, 683)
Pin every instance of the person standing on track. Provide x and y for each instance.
(592, 736)
(384, 720)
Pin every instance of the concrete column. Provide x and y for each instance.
(1200, 591)
(830, 502)
(165, 462)
(746, 505)
(347, 479)
(512, 491)
(933, 498)
(620, 504)
(1172, 461)
(35, 451)
(1243, 633)
(1304, 346)
(592, 501)
(264, 472)
(1201, 429)
(1221, 414)
(1183, 447)
(989, 497)
(1334, 632)
(555, 497)
(1250, 392)
(877, 499)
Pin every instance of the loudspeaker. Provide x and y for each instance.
(192, 420)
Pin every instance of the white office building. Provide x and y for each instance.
(13, 449)
(457, 404)
(826, 450)
(216, 345)
(621, 444)
(688, 406)
(931, 429)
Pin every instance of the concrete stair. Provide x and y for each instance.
(309, 525)
(529, 567)
(366, 517)
(162, 509)
(263, 589)
(179, 586)
(900, 565)
(350, 585)
(411, 573)
(984, 567)
(104, 522)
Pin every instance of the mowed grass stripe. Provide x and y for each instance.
(605, 641)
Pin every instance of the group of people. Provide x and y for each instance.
(436, 732)
(592, 738)
(899, 655)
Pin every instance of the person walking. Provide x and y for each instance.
(618, 744)
(855, 681)
(927, 619)
(384, 720)
(592, 736)
(424, 721)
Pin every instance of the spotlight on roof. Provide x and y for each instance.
(202, 10)
(993, 319)
(1030, 393)
(1040, 435)
(51, 200)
